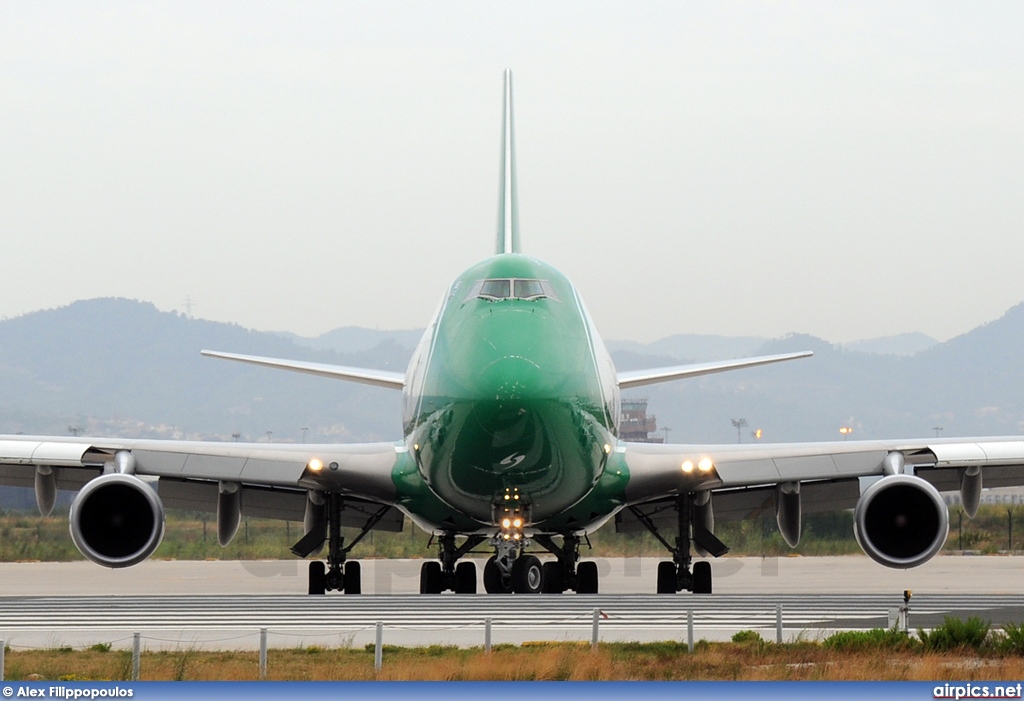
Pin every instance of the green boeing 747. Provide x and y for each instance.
(510, 447)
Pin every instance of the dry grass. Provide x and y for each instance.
(554, 661)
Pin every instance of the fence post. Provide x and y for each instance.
(594, 630)
(378, 649)
(778, 624)
(263, 654)
(3, 645)
(136, 655)
(487, 635)
(689, 630)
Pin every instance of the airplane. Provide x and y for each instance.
(510, 420)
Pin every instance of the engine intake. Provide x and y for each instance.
(117, 520)
(901, 521)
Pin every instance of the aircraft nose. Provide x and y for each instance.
(511, 378)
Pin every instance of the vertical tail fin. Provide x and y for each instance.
(508, 205)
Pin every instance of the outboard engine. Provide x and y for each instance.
(901, 521)
(117, 520)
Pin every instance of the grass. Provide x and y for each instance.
(974, 634)
(746, 660)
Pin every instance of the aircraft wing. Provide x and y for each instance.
(744, 479)
(366, 376)
(274, 478)
(639, 378)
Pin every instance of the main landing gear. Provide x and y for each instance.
(337, 574)
(446, 575)
(677, 575)
(510, 570)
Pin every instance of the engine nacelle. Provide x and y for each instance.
(117, 520)
(901, 521)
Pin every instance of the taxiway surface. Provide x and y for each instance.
(224, 604)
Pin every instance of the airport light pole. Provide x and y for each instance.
(846, 431)
(740, 424)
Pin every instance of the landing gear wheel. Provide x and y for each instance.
(527, 575)
(492, 578)
(554, 577)
(430, 578)
(586, 578)
(353, 578)
(702, 577)
(666, 578)
(317, 578)
(465, 578)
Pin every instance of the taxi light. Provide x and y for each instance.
(705, 464)
(607, 449)
(687, 466)
(506, 536)
(517, 536)
(315, 465)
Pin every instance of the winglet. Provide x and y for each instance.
(508, 205)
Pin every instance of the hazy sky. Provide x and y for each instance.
(848, 170)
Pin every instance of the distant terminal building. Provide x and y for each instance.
(636, 425)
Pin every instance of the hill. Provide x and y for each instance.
(122, 367)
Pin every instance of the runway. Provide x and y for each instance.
(222, 605)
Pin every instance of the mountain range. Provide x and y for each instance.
(122, 367)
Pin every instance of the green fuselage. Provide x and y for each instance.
(511, 395)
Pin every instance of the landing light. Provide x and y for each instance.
(607, 449)
(518, 523)
(705, 464)
(506, 523)
(687, 466)
(315, 465)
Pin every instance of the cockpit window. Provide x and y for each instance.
(497, 289)
(529, 289)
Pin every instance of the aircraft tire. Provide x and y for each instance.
(554, 577)
(586, 578)
(317, 578)
(666, 577)
(492, 578)
(430, 578)
(527, 575)
(353, 578)
(702, 577)
(465, 578)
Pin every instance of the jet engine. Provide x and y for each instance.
(901, 521)
(117, 520)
